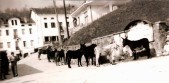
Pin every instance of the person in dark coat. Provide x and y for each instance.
(4, 65)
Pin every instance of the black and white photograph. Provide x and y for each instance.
(84, 41)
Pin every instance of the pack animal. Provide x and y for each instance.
(142, 43)
(59, 56)
(88, 52)
(112, 50)
(74, 54)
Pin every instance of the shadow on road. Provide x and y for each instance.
(24, 70)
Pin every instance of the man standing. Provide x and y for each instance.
(13, 61)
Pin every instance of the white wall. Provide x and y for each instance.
(141, 31)
(23, 37)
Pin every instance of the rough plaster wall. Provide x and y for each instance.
(159, 38)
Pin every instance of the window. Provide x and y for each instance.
(60, 26)
(6, 26)
(7, 32)
(22, 25)
(30, 30)
(52, 18)
(62, 37)
(57, 38)
(9, 44)
(1, 45)
(15, 33)
(23, 31)
(15, 22)
(46, 39)
(53, 38)
(31, 42)
(24, 43)
(17, 45)
(0, 32)
(12, 22)
(29, 24)
(44, 18)
(53, 25)
(86, 19)
(46, 26)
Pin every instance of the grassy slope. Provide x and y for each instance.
(116, 21)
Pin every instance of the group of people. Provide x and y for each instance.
(5, 61)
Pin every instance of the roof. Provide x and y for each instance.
(48, 10)
(4, 17)
(116, 21)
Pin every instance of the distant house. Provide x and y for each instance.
(15, 34)
(92, 10)
(47, 26)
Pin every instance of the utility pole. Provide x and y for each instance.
(67, 30)
(57, 23)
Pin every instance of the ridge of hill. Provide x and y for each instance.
(151, 10)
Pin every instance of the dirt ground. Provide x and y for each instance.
(32, 70)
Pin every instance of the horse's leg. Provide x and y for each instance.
(92, 60)
(87, 62)
(97, 60)
(135, 56)
(69, 60)
(148, 53)
(48, 57)
(64, 60)
(78, 62)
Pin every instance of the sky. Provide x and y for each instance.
(19, 4)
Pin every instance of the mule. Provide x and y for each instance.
(134, 45)
(112, 50)
(74, 54)
(88, 52)
(59, 56)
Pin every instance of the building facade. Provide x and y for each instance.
(47, 25)
(93, 10)
(15, 35)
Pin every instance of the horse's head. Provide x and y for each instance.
(93, 45)
(82, 47)
(124, 41)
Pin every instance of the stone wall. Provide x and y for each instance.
(160, 36)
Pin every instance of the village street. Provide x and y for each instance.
(32, 70)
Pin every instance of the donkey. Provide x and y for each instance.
(144, 42)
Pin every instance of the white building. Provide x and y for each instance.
(15, 35)
(92, 10)
(46, 22)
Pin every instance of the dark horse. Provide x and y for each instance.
(88, 52)
(74, 54)
(59, 56)
(137, 44)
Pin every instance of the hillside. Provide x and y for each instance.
(152, 10)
